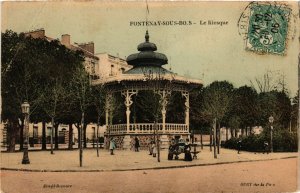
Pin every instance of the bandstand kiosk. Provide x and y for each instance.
(147, 73)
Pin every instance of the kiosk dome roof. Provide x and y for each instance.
(147, 55)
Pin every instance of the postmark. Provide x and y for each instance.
(265, 27)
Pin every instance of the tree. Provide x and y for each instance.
(278, 105)
(198, 119)
(295, 113)
(162, 88)
(175, 108)
(37, 71)
(244, 109)
(234, 123)
(98, 96)
(61, 64)
(266, 83)
(217, 99)
(81, 90)
(22, 77)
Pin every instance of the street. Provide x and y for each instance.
(257, 176)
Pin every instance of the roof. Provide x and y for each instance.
(86, 53)
(145, 70)
(143, 78)
(147, 66)
(147, 55)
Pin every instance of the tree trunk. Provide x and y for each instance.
(80, 140)
(52, 131)
(215, 136)
(201, 138)
(70, 146)
(56, 137)
(226, 133)
(84, 135)
(21, 135)
(97, 135)
(44, 145)
(210, 139)
(218, 137)
(78, 137)
(231, 133)
(11, 136)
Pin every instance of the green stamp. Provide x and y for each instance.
(268, 28)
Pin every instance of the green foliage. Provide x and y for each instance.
(244, 108)
(95, 112)
(217, 99)
(282, 141)
(278, 105)
(295, 112)
(37, 71)
(145, 107)
(285, 141)
(119, 109)
(176, 108)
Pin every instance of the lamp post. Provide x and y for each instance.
(25, 110)
(271, 120)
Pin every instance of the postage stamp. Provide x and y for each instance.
(266, 27)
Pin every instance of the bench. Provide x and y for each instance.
(101, 145)
(194, 152)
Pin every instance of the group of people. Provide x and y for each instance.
(153, 149)
(112, 145)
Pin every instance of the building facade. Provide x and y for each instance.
(99, 66)
(110, 65)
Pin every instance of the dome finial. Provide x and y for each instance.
(147, 36)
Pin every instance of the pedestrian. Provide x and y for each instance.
(150, 147)
(172, 141)
(112, 146)
(136, 144)
(154, 149)
(266, 147)
(239, 145)
(187, 151)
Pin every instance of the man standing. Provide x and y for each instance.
(239, 144)
(266, 147)
(137, 144)
(112, 146)
(154, 149)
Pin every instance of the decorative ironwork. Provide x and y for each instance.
(148, 128)
(187, 106)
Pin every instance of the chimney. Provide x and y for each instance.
(88, 47)
(65, 40)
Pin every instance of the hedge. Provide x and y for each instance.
(283, 141)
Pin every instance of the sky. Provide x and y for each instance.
(207, 52)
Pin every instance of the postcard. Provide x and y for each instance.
(149, 96)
